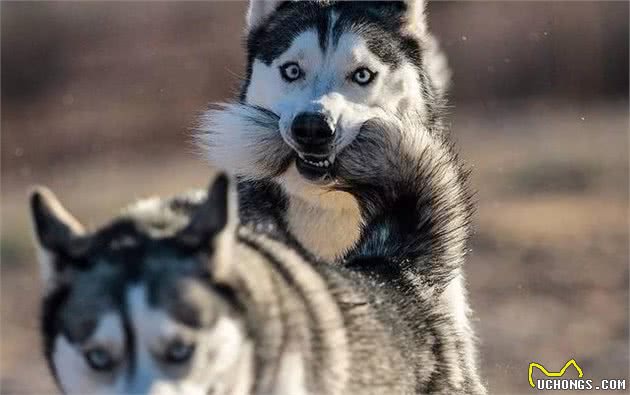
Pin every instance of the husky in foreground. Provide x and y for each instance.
(322, 79)
(173, 297)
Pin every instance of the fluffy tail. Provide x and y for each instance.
(417, 207)
(244, 140)
(414, 196)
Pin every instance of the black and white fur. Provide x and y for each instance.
(391, 185)
(173, 297)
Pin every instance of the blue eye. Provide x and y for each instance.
(363, 76)
(100, 359)
(291, 72)
(179, 352)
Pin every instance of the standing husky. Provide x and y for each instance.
(338, 140)
(173, 297)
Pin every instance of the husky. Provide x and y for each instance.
(174, 296)
(338, 140)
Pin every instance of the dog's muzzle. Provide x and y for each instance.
(313, 134)
(314, 139)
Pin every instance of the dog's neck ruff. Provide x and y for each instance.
(327, 223)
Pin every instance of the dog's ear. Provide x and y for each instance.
(216, 214)
(259, 10)
(415, 18)
(58, 235)
(213, 225)
(434, 60)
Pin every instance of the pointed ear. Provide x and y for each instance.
(57, 233)
(416, 17)
(217, 214)
(259, 10)
(214, 224)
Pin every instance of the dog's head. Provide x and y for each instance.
(142, 305)
(324, 69)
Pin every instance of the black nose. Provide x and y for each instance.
(311, 130)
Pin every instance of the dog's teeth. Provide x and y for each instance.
(301, 155)
(324, 163)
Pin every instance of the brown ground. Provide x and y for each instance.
(548, 271)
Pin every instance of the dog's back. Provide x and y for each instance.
(174, 297)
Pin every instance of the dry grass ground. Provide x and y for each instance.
(548, 271)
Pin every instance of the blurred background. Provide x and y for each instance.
(98, 99)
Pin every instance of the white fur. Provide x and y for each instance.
(327, 223)
(455, 297)
(327, 88)
(259, 10)
(416, 17)
(436, 64)
(231, 140)
(73, 372)
(290, 376)
(146, 209)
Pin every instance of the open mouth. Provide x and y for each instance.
(317, 169)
